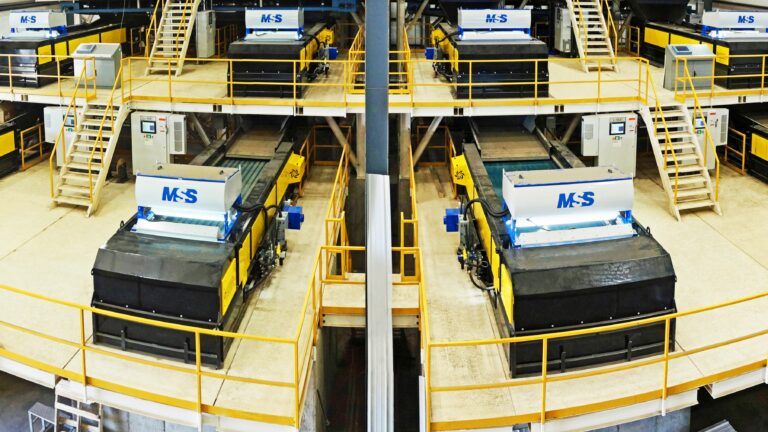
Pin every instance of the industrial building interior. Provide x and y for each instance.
(402, 215)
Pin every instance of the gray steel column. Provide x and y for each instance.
(378, 239)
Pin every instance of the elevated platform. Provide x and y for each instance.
(717, 259)
(257, 374)
(205, 87)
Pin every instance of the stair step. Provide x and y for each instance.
(87, 155)
(77, 177)
(64, 199)
(690, 192)
(74, 190)
(667, 113)
(97, 123)
(683, 169)
(688, 180)
(671, 124)
(95, 132)
(688, 205)
(83, 166)
(99, 113)
(680, 145)
(682, 157)
(673, 135)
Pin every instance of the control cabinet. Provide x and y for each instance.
(717, 120)
(612, 139)
(53, 117)
(563, 30)
(155, 137)
(205, 34)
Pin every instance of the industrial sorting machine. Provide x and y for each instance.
(556, 246)
(491, 34)
(280, 35)
(203, 238)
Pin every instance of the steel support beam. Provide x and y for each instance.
(571, 129)
(342, 140)
(360, 143)
(417, 16)
(378, 217)
(425, 139)
(199, 129)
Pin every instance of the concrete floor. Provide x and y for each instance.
(16, 397)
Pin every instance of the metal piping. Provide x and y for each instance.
(425, 139)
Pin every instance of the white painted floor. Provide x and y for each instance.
(716, 259)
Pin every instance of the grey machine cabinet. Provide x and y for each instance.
(700, 64)
(106, 57)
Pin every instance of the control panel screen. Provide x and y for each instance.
(69, 121)
(618, 128)
(148, 127)
(699, 123)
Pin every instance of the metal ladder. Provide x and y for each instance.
(172, 37)
(592, 36)
(679, 158)
(74, 415)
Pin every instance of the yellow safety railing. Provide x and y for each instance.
(109, 112)
(26, 145)
(698, 112)
(152, 27)
(409, 225)
(583, 35)
(443, 146)
(71, 112)
(633, 40)
(297, 363)
(741, 154)
(755, 85)
(399, 79)
(335, 217)
(611, 26)
(184, 24)
(668, 148)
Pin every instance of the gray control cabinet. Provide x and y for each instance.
(205, 34)
(611, 139)
(106, 57)
(700, 64)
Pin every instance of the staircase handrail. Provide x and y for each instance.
(152, 25)
(611, 28)
(108, 111)
(585, 36)
(708, 136)
(72, 106)
(668, 144)
(187, 6)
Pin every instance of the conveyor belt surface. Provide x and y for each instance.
(496, 169)
(250, 170)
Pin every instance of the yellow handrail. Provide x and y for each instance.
(38, 128)
(708, 137)
(741, 154)
(152, 27)
(109, 110)
(183, 24)
(60, 137)
(659, 113)
(611, 27)
(584, 34)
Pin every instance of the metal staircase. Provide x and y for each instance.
(171, 36)
(593, 38)
(86, 162)
(679, 158)
(74, 415)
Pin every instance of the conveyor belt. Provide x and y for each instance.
(250, 170)
(496, 169)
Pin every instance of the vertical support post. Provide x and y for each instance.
(82, 355)
(199, 383)
(543, 414)
(666, 368)
(360, 142)
(380, 374)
